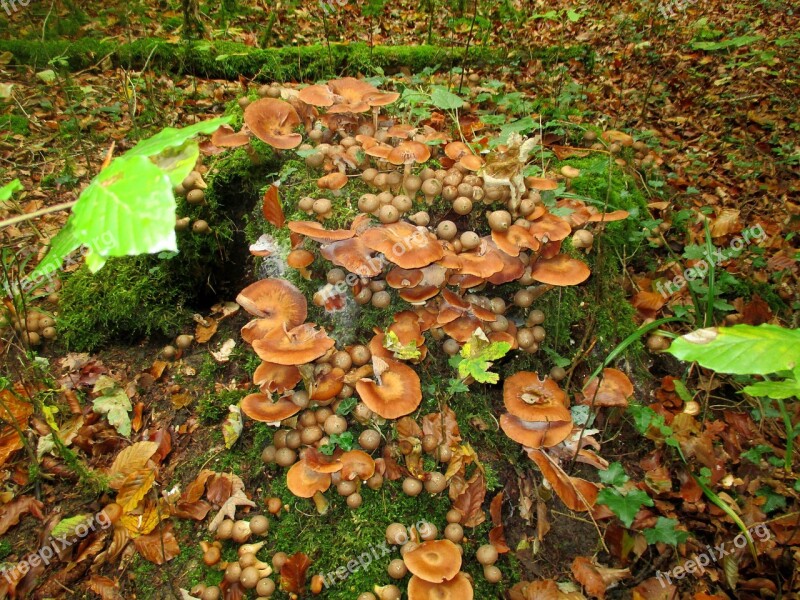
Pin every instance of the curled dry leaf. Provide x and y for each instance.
(470, 501)
(130, 459)
(11, 513)
(595, 578)
(497, 535)
(293, 573)
(271, 207)
(228, 509)
(106, 588)
(159, 546)
(578, 494)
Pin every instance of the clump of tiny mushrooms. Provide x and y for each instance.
(444, 224)
(248, 572)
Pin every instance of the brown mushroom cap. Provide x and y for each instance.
(535, 434)
(297, 346)
(299, 259)
(617, 215)
(351, 89)
(560, 270)
(398, 391)
(357, 465)
(471, 162)
(456, 150)
(304, 482)
(458, 588)
(271, 377)
(332, 181)
(399, 278)
(434, 561)
(260, 407)
(409, 152)
(404, 244)
(613, 390)
(226, 137)
(380, 98)
(273, 122)
(514, 239)
(257, 328)
(328, 386)
(550, 228)
(276, 300)
(317, 95)
(533, 399)
(354, 256)
(541, 183)
(315, 231)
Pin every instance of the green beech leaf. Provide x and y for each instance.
(169, 137)
(777, 390)
(8, 189)
(177, 162)
(741, 349)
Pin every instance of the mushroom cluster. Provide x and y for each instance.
(246, 573)
(192, 188)
(35, 328)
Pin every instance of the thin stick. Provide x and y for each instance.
(37, 213)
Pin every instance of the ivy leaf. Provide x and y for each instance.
(476, 356)
(445, 100)
(346, 406)
(625, 506)
(402, 352)
(755, 453)
(774, 500)
(614, 475)
(665, 531)
(456, 386)
(114, 403)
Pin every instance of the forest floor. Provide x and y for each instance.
(712, 92)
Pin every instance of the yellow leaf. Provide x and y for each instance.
(134, 488)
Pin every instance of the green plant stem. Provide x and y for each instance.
(466, 49)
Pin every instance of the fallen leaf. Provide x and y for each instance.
(232, 425)
(595, 578)
(134, 488)
(106, 588)
(470, 501)
(130, 459)
(224, 353)
(204, 332)
(578, 494)
(293, 573)
(228, 509)
(158, 547)
(497, 536)
(271, 207)
(11, 513)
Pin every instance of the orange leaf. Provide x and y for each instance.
(11, 513)
(578, 494)
(293, 573)
(497, 536)
(596, 579)
(106, 588)
(271, 207)
(160, 546)
(470, 501)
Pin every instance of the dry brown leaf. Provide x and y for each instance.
(497, 536)
(470, 501)
(106, 588)
(181, 399)
(160, 546)
(228, 509)
(293, 573)
(130, 459)
(595, 578)
(19, 411)
(443, 426)
(578, 494)
(136, 421)
(271, 207)
(204, 332)
(134, 488)
(655, 589)
(11, 513)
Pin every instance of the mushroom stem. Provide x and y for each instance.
(406, 174)
(321, 502)
(375, 111)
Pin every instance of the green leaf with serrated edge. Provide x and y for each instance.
(178, 162)
(665, 531)
(346, 406)
(445, 100)
(741, 349)
(777, 390)
(613, 475)
(170, 137)
(625, 506)
(128, 209)
(115, 407)
(8, 189)
(403, 352)
(456, 386)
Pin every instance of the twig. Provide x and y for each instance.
(37, 213)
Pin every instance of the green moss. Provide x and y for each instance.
(299, 63)
(213, 406)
